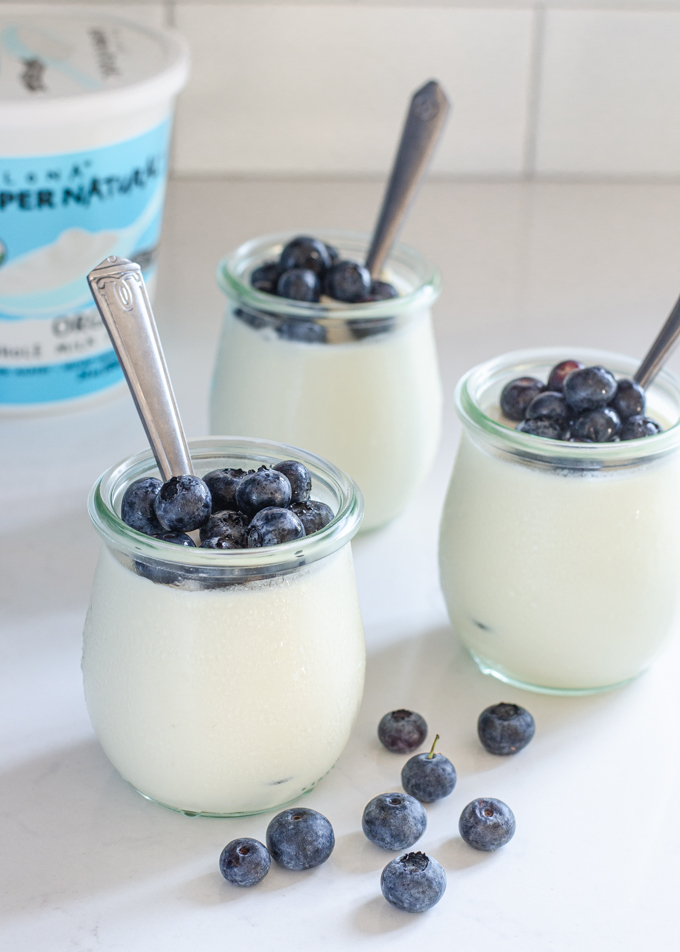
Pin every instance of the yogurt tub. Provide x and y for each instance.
(86, 103)
(560, 562)
(224, 683)
(356, 383)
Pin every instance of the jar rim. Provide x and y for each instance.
(540, 449)
(268, 560)
(230, 283)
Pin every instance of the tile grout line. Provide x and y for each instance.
(534, 92)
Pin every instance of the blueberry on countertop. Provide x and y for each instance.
(402, 731)
(505, 728)
(629, 399)
(518, 394)
(265, 277)
(548, 429)
(597, 426)
(177, 538)
(394, 821)
(223, 484)
(298, 476)
(272, 526)
(589, 388)
(428, 777)
(305, 253)
(347, 281)
(637, 427)
(300, 838)
(381, 291)
(299, 284)
(227, 525)
(413, 882)
(548, 405)
(183, 503)
(137, 510)
(266, 487)
(313, 515)
(245, 862)
(487, 824)
(560, 371)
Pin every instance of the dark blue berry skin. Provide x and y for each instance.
(589, 388)
(560, 371)
(548, 429)
(347, 281)
(306, 253)
(548, 405)
(518, 394)
(245, 862)
(305, 332)
(629, 399)
(487, 824)
(177, 538)
(428, 778)
(220, 542)
(227, 525)
(265, 277)
(266, 487)
(183, 503)
(223, 484)
(272, 526)
(313, 515)
(599, 426)
(299, 838)
(136, 509)
(637, 427)
(413, 883)
(505, 728)
(381, 291)
(402, 731)
(394, 821)
(299, 478)
(333, 253)
(299, 284)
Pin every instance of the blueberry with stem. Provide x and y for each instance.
(429, 777)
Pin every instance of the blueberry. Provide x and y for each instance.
(548, 405)
(381, 291)
(348, 281)
(227, 525)
(560, 371)
(306, 332)
(299, 478)
(589, 388)
(223, 484)
(265, 277)
(402, 731)
(252, 318)
(299, 838)
(136, 509)
(637, 427)
(487, 824)
(272, 526)
(177, 538)
(266, 487)
(362, 328)
(299, 284)
(413, 883)
(244, 862)
(313, 515)
(394, 821)
(629, 399)
(548, 429)
(505, 728)
(599, 426)
(220, 542)
(333, 253)
(305, 253)
(428, 777)
(183, 503)
(518, 394)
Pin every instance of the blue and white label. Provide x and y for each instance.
(59, 217)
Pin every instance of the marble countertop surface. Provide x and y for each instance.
(87, 864)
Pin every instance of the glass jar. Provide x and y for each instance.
(560, 562)
(355, 383)
(224, 682)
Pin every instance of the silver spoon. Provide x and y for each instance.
(424, 123)
(660, 350)
(119, 292)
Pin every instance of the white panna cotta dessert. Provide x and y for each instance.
(224, 682)
(560, 561)
(355, 383)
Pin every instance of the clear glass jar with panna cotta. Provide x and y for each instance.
(224, 682)
(355, 383)
(560, 561)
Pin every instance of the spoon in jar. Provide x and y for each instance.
(660, 350)
(423, 126)
(120, 294)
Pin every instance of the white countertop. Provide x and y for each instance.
(87, 864)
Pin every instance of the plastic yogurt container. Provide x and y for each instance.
(86, 104)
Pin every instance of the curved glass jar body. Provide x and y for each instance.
(224, 682)
(560, 562)
(355, 383)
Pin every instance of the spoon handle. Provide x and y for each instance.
(661, 349)
(119, 292)
(424, 123)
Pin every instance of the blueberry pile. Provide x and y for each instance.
(231, 508)
(578, 405)
(308, 268)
